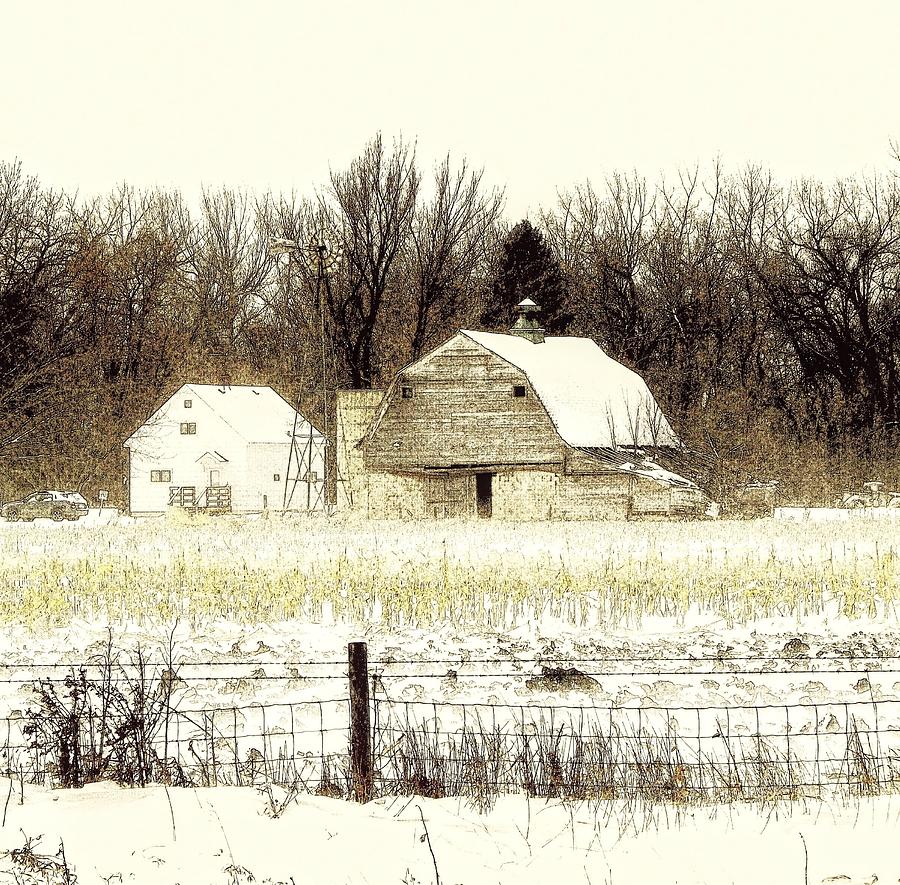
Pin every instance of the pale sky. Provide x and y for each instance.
(266, 95)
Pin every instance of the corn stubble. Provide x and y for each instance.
(483, 574)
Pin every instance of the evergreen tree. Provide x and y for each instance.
(527, 269)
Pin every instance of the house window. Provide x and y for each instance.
(188, 428)
(188, 403)
(160, 476)
(519, 390)
(406, 392)
(276, 477)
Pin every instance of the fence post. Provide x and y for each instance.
(361, 769)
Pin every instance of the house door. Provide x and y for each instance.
(213, 478)
(484, 493)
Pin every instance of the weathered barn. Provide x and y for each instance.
(225, 448)
(515, 426)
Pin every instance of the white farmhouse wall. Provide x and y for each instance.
(162, 446)
(241, 440)
(258, 489)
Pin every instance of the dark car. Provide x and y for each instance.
(55, 505)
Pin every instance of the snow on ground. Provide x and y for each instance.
(706, 663)
(227, 835)
(118, 835)
(836, 514)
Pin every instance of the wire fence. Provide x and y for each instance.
(300, 744)
(650, 753)
(477, 750)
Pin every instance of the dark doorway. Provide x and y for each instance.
(484, 493)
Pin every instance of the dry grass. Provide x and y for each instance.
(637, 767)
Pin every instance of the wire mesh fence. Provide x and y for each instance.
(651, 753)
(648, 753)
(472, 749)
(301, 744)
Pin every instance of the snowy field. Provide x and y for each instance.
(660, 619)
(228, 836)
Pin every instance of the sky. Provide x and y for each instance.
(270, 95)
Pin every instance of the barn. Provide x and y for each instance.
(512, 426)
(229, 448)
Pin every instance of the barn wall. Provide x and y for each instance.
(462, 411)
(518, 495)
(355, 410)
(396, 496)
(593, 496)
(651, 497)
(450, 495)
(525, 494)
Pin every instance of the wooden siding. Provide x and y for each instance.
(462, 412)
(355, 410)
(396, 496)
(601, 496)
(525, 494)
(450, 495)
(520, 495)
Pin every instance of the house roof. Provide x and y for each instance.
(593, 400)
(256, 414)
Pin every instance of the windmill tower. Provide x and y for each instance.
(309, 450)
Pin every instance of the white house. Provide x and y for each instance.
(230, 448)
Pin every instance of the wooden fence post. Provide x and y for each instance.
(361, 769)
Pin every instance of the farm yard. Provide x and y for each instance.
(449, 446)
(610, 679)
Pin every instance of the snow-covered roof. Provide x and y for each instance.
(593, 400)
(256, 414)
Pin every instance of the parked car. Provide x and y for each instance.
(55, 505)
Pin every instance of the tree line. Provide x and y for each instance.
(764, 315)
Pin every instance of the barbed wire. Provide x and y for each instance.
(463, 660)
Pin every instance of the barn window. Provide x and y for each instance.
(188, 428)
(276, 477)
(188, 403)
(406, 392)
(519, 390)
(160, 476)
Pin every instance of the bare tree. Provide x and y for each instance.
(37, 322)
(826, 265)
(369, 209)
(229, 271)
(602, 242)
(449, 249)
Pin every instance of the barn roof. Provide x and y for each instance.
(655, 463)
(593, 400)
(256, 414)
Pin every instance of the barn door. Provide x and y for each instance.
(436, 496)
(484, 494)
